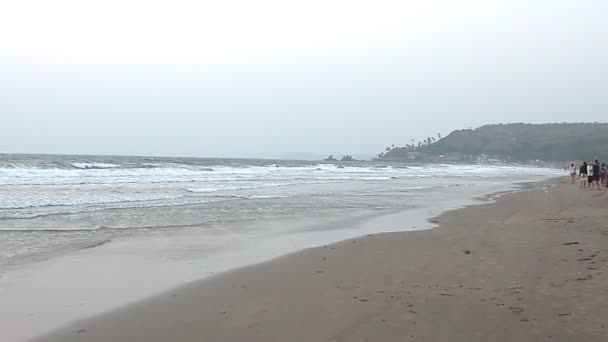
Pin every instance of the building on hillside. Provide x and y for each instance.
(451, 157)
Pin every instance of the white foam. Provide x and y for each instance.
(76, 201)
(105, 183)
(94, 165)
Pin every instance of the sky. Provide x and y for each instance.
(270, 78)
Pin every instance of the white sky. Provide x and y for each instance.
(268, 78)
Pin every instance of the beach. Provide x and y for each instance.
(529, 267)
(85, 235)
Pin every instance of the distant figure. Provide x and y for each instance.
(595, 176)
(573, 172)
(590, 176)
(582, 173)
(603, 175)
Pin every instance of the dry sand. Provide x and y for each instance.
(531, 267)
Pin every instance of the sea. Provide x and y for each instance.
(52, 204)
(119, 228)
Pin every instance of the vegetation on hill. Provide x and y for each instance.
(515, 142)
(345, 158)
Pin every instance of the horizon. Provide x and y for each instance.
(312, 156)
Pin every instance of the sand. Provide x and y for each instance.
(530, 267)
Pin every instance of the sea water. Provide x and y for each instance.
(52, 204)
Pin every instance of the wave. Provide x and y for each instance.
(111, 174)
(98, 185)
(68, 202)
(230, 187)
(377, 178)
(108, 173)
(94, 165)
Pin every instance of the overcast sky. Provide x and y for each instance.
(267, 78)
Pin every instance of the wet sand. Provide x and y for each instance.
(530, 267)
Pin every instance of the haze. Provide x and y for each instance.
(276, 78)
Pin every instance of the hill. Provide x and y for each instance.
(515, 142)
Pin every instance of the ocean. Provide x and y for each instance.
(101, 231)
(52, 204)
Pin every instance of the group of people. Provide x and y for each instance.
(591, 175)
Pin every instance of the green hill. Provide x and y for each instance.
(516, 142)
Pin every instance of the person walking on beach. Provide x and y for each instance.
(573, 172)
(595, 175)
(590, 176)
(602, 175)
(582, 173)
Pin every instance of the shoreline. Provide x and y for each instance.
(326, 286)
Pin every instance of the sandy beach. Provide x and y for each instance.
(530, 267)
